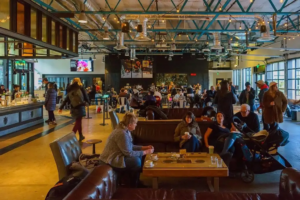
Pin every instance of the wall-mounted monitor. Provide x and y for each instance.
(83, 65)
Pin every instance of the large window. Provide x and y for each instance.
(246, 77)
(275, 72)
(237, 79)
(20, 18)
(294, 79)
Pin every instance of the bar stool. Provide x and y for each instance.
(93, 142)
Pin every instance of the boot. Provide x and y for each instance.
(81, 137)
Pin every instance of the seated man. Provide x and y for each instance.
(178, 97)
(250, 118)
(123, 93)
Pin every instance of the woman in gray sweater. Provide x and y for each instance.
(191, 141)
(121, 154)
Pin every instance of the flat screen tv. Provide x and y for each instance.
(83, 65)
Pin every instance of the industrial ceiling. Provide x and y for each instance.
(179, 25)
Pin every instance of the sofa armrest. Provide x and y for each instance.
(289, 188)
(100, 183)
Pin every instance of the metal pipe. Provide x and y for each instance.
(256, 55)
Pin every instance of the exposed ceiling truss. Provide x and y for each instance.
(186, 23)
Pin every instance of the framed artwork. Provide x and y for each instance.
(219, 80)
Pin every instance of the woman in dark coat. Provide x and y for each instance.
(224, 100)
(77, 98)
(50, 103)
(191, 141)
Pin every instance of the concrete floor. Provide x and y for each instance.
(28, 169)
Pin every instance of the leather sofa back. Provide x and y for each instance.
(114, 119)
(289, 187)
(99, 184)
(65, 150)
(176, 113)
(160, 134)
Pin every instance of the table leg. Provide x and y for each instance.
(94, 149)
(216, 184)
(155, 183)
(209, 183)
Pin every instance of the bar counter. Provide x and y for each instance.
(17, 117)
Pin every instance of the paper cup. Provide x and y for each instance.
(211, 149)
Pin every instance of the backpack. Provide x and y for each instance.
(76, 98)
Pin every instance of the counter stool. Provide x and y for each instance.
(93, 142)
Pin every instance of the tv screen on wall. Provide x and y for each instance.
(82, 65)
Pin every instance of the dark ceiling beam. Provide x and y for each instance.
(64, 15)
(175, 13)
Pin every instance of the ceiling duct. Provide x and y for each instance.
(120, 45)
(143, 36)
(217, 41)
(265, 33)
(132, 54)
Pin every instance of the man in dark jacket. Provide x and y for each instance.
(250, 118)
(263, 88)
(210, 95)
(247, 96)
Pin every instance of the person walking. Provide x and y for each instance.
(247, 96)
(275, 103)
(77, 98)
(50, 103)
(224, 100)
(263, 88)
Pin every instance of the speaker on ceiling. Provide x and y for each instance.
(263, 28)
(125, 27)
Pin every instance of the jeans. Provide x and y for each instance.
(133, 169)
(51, 116)
(78, 126)
(192, 145)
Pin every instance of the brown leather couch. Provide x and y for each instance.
(101, 184)
(160, 134)
(175, 113)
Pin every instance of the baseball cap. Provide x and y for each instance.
(261, 82)
(272, 83)
(247, 83)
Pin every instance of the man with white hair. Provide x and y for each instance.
(250, 118)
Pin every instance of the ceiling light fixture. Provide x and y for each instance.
(115, 18)
(281, 1)
(229, 19)
(106, 34)
(82, 18)
(251, 1)
(285, 24)
(177, 9)
(220, 8)
(240, 26)
(163, 21)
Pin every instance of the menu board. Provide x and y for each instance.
(147, 69)
(136, 69)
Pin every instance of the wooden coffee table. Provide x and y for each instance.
(193, 165)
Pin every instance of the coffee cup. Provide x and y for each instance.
(154, 156)
(186, 133)
(149, 162)
(211, 149)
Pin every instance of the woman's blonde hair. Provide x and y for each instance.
(77, 80)
(128, 118)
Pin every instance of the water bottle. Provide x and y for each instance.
(247, 153)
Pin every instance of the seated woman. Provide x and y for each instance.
(121, 154)
(189, 142)
(225, 147)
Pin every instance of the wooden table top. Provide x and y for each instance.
(193, 165)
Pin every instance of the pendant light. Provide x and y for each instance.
(82, 17)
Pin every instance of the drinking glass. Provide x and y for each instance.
(219, 162)
(213, 160)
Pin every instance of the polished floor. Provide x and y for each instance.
(28, 169)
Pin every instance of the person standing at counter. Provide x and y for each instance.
(15, 92)
(78, 98)
(2, 89)
(46, 82)
(50, 103)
